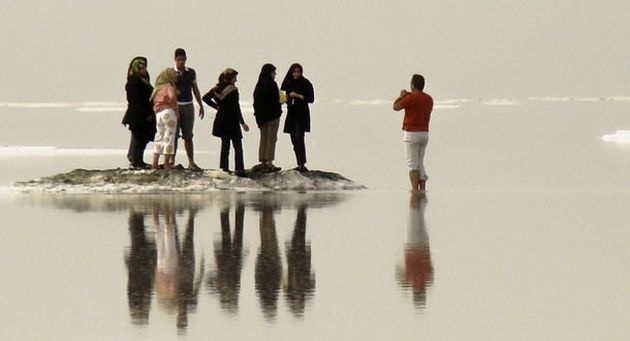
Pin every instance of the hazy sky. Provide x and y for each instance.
(77, 50)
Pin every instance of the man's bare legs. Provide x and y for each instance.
(417, 184)
(188, 144)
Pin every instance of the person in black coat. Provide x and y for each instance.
(299, 93)
(267, 110)
(139, 115)
(228, 120)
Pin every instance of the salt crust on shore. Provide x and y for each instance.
(182, 181)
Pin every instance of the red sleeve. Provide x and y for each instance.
(405, 101)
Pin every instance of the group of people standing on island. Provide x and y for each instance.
(165, 112)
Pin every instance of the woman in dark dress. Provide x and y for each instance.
(299, 93)
(267, 110)
(139, 115)
(228, 120)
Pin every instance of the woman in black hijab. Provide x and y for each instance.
(139, 115)
(267, 110)
(300, 93)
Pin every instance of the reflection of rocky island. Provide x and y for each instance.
(147, 181)
(99, 202)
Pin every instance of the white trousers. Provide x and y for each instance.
(415, 146)
(166, 125)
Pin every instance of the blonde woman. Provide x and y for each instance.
(164, 99)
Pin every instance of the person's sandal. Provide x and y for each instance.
(194, 167)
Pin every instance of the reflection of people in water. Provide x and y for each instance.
(300, 284)
(228, 253)
(268, 264)
(175, 285)
(141, 261)
(417, 274)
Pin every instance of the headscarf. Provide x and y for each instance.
(288, 79)
(167, 77)
(264, 78)
(223, 87)
(266, 96)
(265, 72)
(134, 69)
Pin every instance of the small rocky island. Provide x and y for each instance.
(184, 181)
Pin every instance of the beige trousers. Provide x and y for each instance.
(268, 138)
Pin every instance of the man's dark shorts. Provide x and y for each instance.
(186, 121)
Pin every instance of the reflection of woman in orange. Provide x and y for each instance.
(300, 284)
(175, 285)
(418, 272)
(167, 272)
(228, 254)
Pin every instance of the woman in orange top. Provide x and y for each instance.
(418, 106)
(164, 99)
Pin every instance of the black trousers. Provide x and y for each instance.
(299, 147)
(238, 153)
(135, 155)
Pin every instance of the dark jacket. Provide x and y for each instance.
(298, 112)
(266, 101)
(228, 120)
(139, 115)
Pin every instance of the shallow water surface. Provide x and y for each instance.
(522, 235)
(315, 265)
(180, 264)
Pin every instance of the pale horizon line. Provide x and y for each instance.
(247, 106)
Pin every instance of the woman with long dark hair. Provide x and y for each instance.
(299, 93)
(228, 120)
(139, 115)
(267, 110)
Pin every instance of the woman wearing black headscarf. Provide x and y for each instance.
(139, 115)
(267, 110)
(300, 93)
